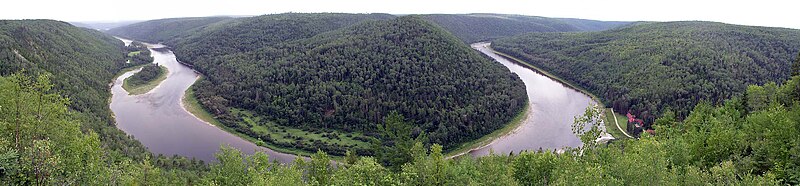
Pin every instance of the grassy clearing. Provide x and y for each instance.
(193, 106)
(283, 134)
(131, 54)
(611, 127)
(144, 88)
(486, 139)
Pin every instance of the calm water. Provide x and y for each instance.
(552, 108)
(158, 120)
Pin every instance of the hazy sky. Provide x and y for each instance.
(785, 13)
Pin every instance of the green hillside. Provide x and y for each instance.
(81, 62)
(252, 33)
(472, 28)
(164, 30)
(55, 123)
(649, 67)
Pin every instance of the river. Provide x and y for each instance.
(552, 109)
(158, 120)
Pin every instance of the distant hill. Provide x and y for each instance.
(162, 30)
(251, 33)
(472, 28)
(103, 26)
(81, 62)
(648, 67)
(592, 25)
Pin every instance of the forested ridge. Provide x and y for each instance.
(348, 79)
(164, 30)
(648, 68)
(253, 33)
(472, 28)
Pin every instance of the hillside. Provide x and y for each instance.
(472, 28)
(56, 78)
(252, 33)
(647, 68)
(81, 63)
(164, 30)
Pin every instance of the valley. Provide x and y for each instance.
(425, 98)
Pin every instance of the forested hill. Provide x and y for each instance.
(324, 73)
(649, 67)
(251, 33)
(81, 62)
(472, 28)
(164, 30)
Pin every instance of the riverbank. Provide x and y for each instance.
(193, 106)
(610, 124)
(146, 87)
(486, 140)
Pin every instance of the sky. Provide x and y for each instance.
(773, 13)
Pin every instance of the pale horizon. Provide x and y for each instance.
(769, 13)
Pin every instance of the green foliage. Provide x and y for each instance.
(472, 28)
(796, 66)
(138, 53)
(231, 168)
(646, 67)
(45, 143)
(366, 171)
(534, 168)
(319, 170)
(147, 74)
(393, 148)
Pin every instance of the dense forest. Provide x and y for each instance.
(741, 142)
(348, 79)
(138, 53)
(472, 28)
(649, 68)
(144, 76)
(164, 30)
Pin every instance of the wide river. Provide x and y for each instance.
(158, 120)
(552, 109)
